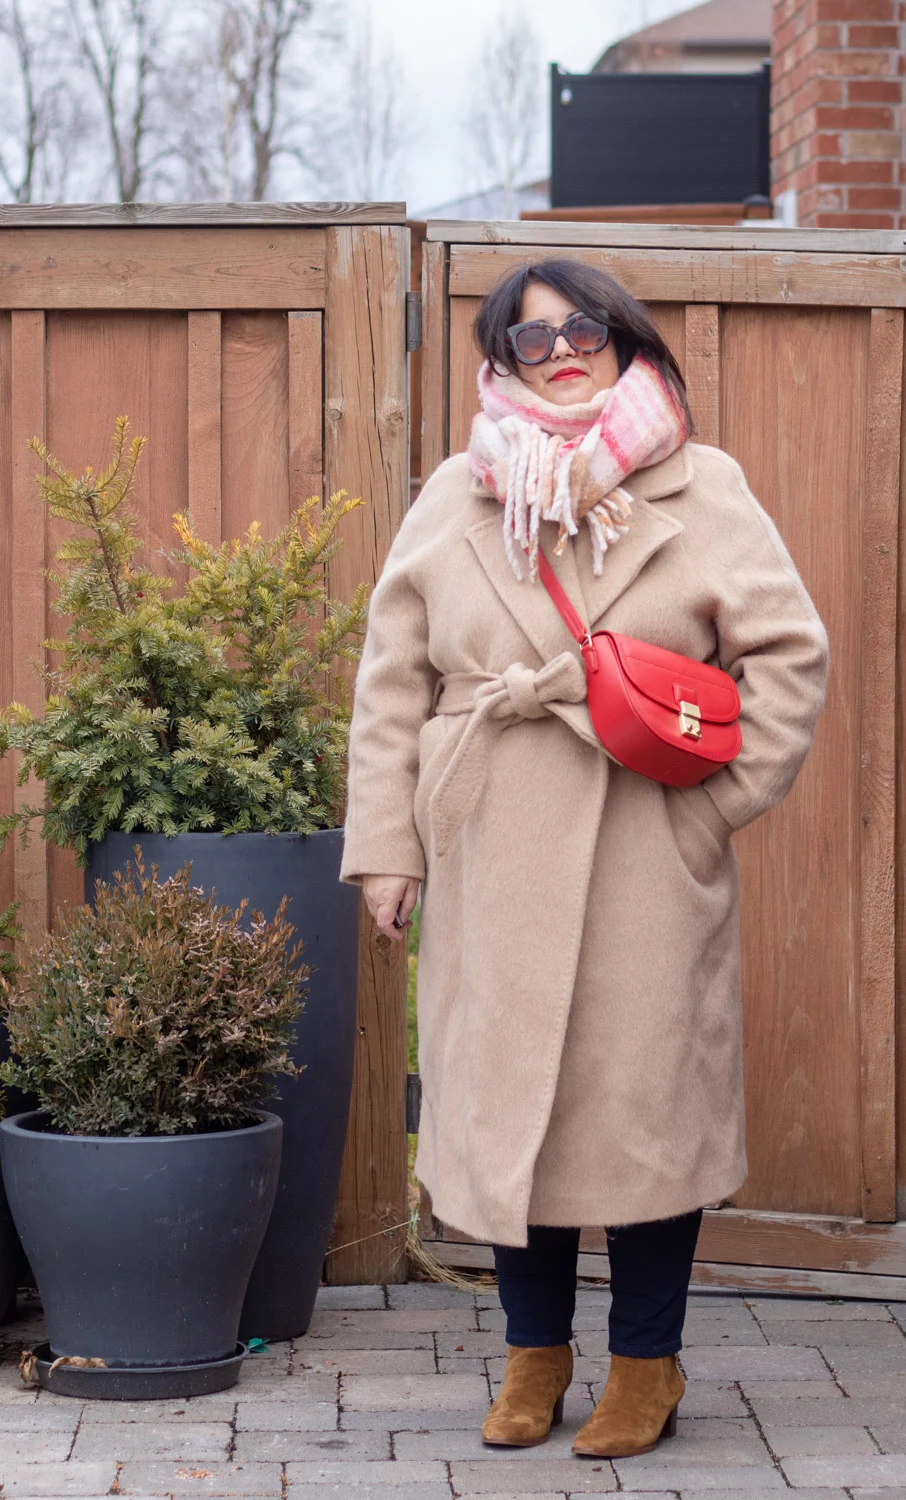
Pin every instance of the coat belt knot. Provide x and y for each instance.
(494, 703)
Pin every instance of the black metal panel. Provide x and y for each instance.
(647, 138)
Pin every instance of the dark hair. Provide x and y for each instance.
(592, 292)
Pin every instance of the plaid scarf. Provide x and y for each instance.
(566, 463)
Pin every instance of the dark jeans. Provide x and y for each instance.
(650, 1267)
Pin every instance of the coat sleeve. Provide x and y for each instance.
(772, 642)
(394, 692)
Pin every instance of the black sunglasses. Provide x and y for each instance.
(533, 342)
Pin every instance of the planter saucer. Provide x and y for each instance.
(138, 1382)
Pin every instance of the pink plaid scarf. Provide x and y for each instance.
(567, 463)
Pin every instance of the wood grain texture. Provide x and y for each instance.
(7, 861)
(28, 518)
(702, 369)
(208, 215)
(726, 276)
(166, 269)
(855, 242)
(366, 453)
(669, 318)
(793, 413)
(204, 424)
(434, 359)
(305, 407)
(255, 404)
(465, 361)
(768, 1280)
(877, 967)
(900, 829)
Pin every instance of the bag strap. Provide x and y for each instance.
(570, 615)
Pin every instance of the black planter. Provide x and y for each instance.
(142, 1246)
(13, 1267)
(314, 1106)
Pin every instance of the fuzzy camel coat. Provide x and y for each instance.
(580, 1028)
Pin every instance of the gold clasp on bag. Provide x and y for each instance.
(689, 720)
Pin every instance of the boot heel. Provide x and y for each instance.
(557, 1417)
(669, 1427)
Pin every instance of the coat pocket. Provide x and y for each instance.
(701, 833)
(431, 762)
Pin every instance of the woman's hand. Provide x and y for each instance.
(389, 895)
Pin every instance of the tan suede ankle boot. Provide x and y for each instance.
(637, 1408)
(531, 1397)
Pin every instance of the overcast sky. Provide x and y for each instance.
(437, 44)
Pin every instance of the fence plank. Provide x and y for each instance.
(28, 518)
(671, 275)
(165, 269)
(204, 423)
(7, 866)
(306, 407)
(255, 398)
(702, 369)
(434, 359)
(877, 993)
(366, 450)
(208, 215)
(569, 234)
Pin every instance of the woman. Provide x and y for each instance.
(580, 1038)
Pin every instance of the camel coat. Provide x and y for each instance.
(580, 1026)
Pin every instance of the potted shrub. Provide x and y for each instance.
(146, 1026)
(208, 722)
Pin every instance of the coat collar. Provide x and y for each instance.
(529, 603)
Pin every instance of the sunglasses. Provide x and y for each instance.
(533, 343)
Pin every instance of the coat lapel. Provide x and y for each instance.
(529, 603)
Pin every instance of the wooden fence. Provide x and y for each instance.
(792, 344)
(263, 353)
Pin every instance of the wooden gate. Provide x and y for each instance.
(262, 350)
(792, 347)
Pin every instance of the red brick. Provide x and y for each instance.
(856, 10)
(852, 171)
(859, 64)
(855, 117)
(852, 221)
(828, 37)
(874, 91)
(874, 197)
(872, 36)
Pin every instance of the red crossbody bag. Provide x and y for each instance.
(656, 712)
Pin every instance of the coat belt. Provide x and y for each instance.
(494, 703)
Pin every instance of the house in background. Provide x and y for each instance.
(721, 36)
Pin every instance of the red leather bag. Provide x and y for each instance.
(656, 712)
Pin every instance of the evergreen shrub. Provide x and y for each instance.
(219, 707)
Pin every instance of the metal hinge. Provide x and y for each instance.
(413, 1102)
(413, 321)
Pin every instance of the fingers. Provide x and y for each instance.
(388, 897)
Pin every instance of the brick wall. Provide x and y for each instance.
(837, 111)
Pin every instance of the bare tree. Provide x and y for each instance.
(369, 136)
(248, 102)
(42, 122)
(507, 107)
(122, 45)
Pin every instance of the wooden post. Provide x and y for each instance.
(29, 628)
(877, 950)
(366, 453)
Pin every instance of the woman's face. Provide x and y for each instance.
(565, 377)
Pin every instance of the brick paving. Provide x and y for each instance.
(386, 1392)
